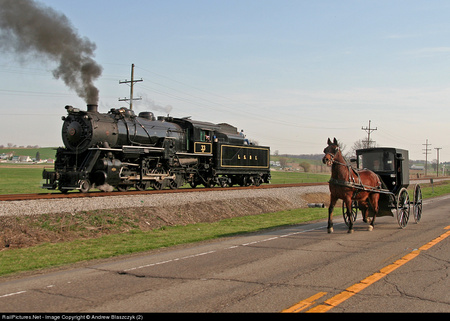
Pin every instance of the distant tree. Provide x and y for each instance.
(283, 162)
(38, 156)
(306, 166)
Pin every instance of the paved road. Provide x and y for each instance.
(300, 268)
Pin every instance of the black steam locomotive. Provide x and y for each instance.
(121, 150)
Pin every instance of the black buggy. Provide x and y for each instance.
(392, 166)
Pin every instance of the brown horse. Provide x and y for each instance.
(348, 185)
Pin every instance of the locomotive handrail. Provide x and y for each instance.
(193, 154)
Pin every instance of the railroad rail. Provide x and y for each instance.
(37, 196)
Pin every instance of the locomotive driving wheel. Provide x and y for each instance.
(403, 207)
(85, 186)
(158, 184)
(142, 186)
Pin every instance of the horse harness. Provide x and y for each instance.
(354, 183)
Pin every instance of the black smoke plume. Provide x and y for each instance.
(29, 27)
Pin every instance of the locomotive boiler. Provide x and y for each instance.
(121, 150)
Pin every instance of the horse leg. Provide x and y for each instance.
(373, 198)
(364, 205)
(333, 201)
(365, 214)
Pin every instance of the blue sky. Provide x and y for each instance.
(290, 73)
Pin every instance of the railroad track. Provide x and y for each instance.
(37, 196)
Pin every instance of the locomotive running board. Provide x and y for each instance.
(150, 177)
(130, 149)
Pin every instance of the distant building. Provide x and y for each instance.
(6, 155)
(24, 159)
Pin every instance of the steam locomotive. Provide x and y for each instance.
(121, 150)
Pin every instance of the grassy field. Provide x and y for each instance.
(57, 254)
(45, 152)
(19, 180)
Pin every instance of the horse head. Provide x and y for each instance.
(330, 152)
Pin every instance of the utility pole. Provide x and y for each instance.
(369, 131)
(437, 165)
(131, 82)
(426, 152)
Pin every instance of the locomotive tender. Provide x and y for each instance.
(121, 150)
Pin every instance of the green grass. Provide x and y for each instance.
(20, 180)
(45, 152)
(279, 177)
(440, 188)
(29, 180)
(56, 254)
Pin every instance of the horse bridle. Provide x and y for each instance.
(337, 149)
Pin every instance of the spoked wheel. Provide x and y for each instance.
(176, 182)
(142, 186)
(158, 184)
(417, 203)
(403, 207)
(353, 214)
(85, 186)
(123, 187)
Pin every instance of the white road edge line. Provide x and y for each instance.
(228, 248)
(11, 294)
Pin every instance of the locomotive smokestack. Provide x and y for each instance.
(92, 108)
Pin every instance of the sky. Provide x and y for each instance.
(290, 73)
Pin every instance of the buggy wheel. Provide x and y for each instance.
(417, 203)
(353, 214)
(403, 207)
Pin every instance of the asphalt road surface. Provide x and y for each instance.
(297, 269)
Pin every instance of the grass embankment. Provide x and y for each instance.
(55, 254)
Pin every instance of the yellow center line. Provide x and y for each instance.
(304, 303)
(355, 288)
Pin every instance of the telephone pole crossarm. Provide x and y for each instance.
(369, 131)
(131, 82)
